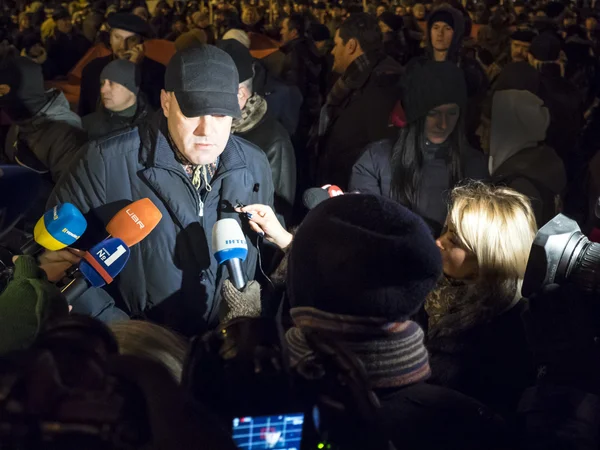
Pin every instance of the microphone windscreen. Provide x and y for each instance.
(228, 241)
(313, 196)
(59, 227)
(134, 222)
(104, 261)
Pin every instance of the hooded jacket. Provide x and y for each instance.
(518, 156)
(53, 136)
(104, 122)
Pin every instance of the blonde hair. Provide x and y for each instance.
(497, 225)
(147, 340)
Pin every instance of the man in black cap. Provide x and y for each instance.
(258, 126)
(122, 106)
(520, 41)
(127, 35)
(66, 47)
(190, 166)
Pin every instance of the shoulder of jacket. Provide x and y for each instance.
(118, 144)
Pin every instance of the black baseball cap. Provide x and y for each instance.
(205, 81)
(130, 22)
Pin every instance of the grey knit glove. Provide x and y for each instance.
(245, 303)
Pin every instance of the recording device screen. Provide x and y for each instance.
(279, 432)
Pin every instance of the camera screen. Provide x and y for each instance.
(281, 432)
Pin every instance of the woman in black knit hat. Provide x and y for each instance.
(431, 154)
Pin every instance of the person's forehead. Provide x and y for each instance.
(521, 43)
(441, 24)
(122, 33)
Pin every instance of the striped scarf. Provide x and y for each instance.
(393, 353)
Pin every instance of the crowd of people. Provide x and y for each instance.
(455, 129)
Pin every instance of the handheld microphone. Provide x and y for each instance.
(58, 228)
(134, 222)
(99, 266)
(313, 196)
(230, 248)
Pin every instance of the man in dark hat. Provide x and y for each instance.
(195, 171)
(66, 47)
(122, 106)
(127, 35)
(520, 41)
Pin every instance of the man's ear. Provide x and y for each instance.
(165, 102)
(352, 46)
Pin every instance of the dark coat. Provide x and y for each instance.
(423, 416)
(65, 50)
(372, 174)
(171, 275)
(270, 136)
(489, 361)
(104, 122)
(152, 82)
(363, 117)
(302, 68)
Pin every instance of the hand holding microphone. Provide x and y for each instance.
(262, 219)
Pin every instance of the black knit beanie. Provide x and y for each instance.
(26, 95)
(396, 23)
(123, 72)
(442, 15)
(429, 84)
(363, 255)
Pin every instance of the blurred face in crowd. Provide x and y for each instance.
(458, 262)
(142, 12)
(115, 96)
(441, 36)
(344, 54)
(25, 22)
(519, 50)
(287, 35)
(384, 28)
(380, 10)
(179, 26)
(400, 11)
(440, 122)
(200, 139)
(64, 25)
(519, 10)
(287, 9)
(419, 11)
(336, 12)
(118, 42)
(591, 23)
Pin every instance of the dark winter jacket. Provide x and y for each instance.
(372, 174)
(270, 136)
(477, 342)
(152, 82)
(302, 68)
(52, 137)
(172, 276)
(423, 416)
(65, 50)
(104, 122)
(360, 118)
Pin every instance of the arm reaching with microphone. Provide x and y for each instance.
(262, 219)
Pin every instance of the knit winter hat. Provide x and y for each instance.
(26, 303)
(396, 23)
(429, 84)
(363, 255)
(123, 72)
(239, 35)
(442, 15)
(545, 47)
(24, 95)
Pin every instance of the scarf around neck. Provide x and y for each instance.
(252, 114)
(392, 353)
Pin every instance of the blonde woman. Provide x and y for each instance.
(475, 336)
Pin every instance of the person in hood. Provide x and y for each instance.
(45, 134)
(445, 32)
(519, 157)
(475, 336)
(122, 104)
(259, 127)
(561, 97)
(127, 35)
(368, 83)
(430, 155)
(66, 46)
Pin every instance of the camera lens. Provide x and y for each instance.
(585, 272)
